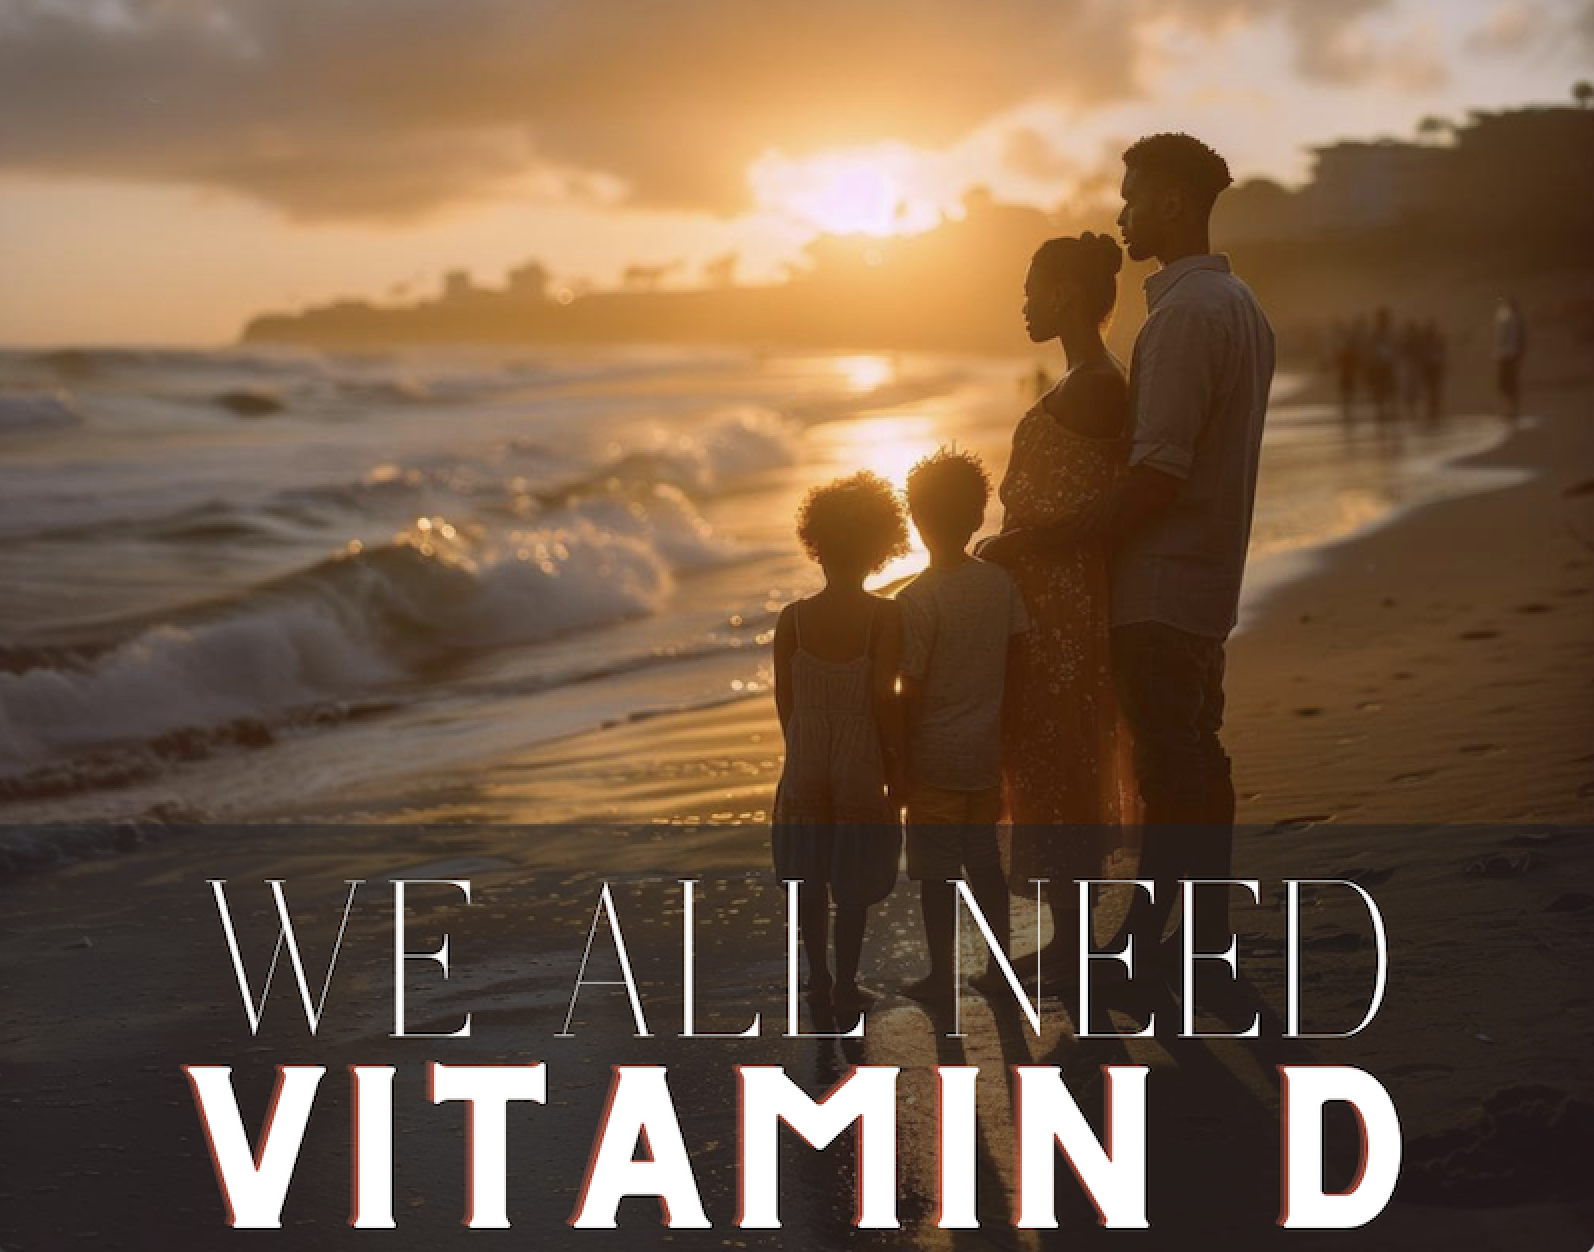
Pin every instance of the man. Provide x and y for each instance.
(1180, 521)
(1510, 346)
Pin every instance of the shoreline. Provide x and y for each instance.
(509, 724)
(736, 742)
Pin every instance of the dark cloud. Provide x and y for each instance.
(389, 108)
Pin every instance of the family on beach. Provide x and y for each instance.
(1011, 681)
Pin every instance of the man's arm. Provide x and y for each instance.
(1144, 492)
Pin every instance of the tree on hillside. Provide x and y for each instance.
(1583, 93)
(1435, 129)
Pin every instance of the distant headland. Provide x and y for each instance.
(1488, 203)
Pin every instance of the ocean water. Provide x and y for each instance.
(237, 584)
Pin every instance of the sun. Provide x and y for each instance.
(889, 445)
(854, 191)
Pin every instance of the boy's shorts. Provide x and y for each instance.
(952, 831)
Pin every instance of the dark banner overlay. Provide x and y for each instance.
(594, 1037)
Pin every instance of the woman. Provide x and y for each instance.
(1070, 787)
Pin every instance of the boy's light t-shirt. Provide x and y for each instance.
(956, 625)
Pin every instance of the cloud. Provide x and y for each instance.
(1510, 27)
(1582, 24)
(1550, 35)
(1338, 44)
(1033, 155)
(396, 108)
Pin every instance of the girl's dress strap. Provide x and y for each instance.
(868, 638)
(797, 623)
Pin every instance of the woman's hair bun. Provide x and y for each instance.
(1090, 259)
(1106, 250)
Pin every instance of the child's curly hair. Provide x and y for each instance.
(855, 522)
(948, 491)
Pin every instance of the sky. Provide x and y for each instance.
(170, 167)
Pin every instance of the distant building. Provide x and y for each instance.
(457, 284)
(1364, 186)
(529, 281)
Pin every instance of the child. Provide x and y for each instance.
(836, 657)
(959, 617)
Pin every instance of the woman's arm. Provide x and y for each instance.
(785, 647)
(1142, 493)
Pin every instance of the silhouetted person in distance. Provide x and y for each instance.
(1382, 367)
(1435, 365)
(1179, 522)
(1510, 347)
(1412, 347)
(1348, 364)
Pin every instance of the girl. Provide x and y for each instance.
(836, 830)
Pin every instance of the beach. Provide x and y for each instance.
(451, 455)
(1409, 708)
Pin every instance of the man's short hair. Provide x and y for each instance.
(1183, 161)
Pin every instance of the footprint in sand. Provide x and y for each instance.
(1309, 711)
(1369, 706)
(1499, 866)
(1416, 775)
(1482, 749)
(1401, 675)
(1479, 634)
(1535, 608)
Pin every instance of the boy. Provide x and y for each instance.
(958, 618)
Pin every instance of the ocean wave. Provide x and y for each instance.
(37, 410)
(29, 849)
(519, 480)
(282, 378)
(82, 364)
(251, 402)
(719, 458)
(359, 622)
